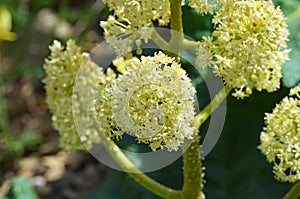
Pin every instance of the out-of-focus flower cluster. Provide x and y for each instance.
(6, 25)
(61, 68)
(280, 139)
(128, 25)
(248, 48)
(154, 101)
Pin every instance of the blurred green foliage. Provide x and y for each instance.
(291, 69)
(24, 12)
(10, 144)
(20, 189)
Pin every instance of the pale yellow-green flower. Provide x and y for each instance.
(154, 101)
(280, 139)
(202, 6)
(140, 13)
(249, 47)
(61, 68)
(130, 22)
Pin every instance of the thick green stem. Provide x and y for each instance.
(134, 172)
(211, 107)
(193, 175)
(294, 193)
(177, 34)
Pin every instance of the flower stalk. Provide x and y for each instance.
(211, 107)
(134, 172)
(294, 193)
(177, 34)
(193, 175)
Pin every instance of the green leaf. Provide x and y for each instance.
(21, 189)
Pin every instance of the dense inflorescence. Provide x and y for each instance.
(280, 139)
(154, 101)
(128, 25)
(248, 48)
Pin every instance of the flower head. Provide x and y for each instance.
(130, 22)
(154, 101)
(280, 139)
(140, 13)
(250, 36)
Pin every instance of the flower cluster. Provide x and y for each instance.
(154, 101)
(128, 24)
(140, 13)
(61, 68)
(250, 36)
(280, 138)
(202, 6)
